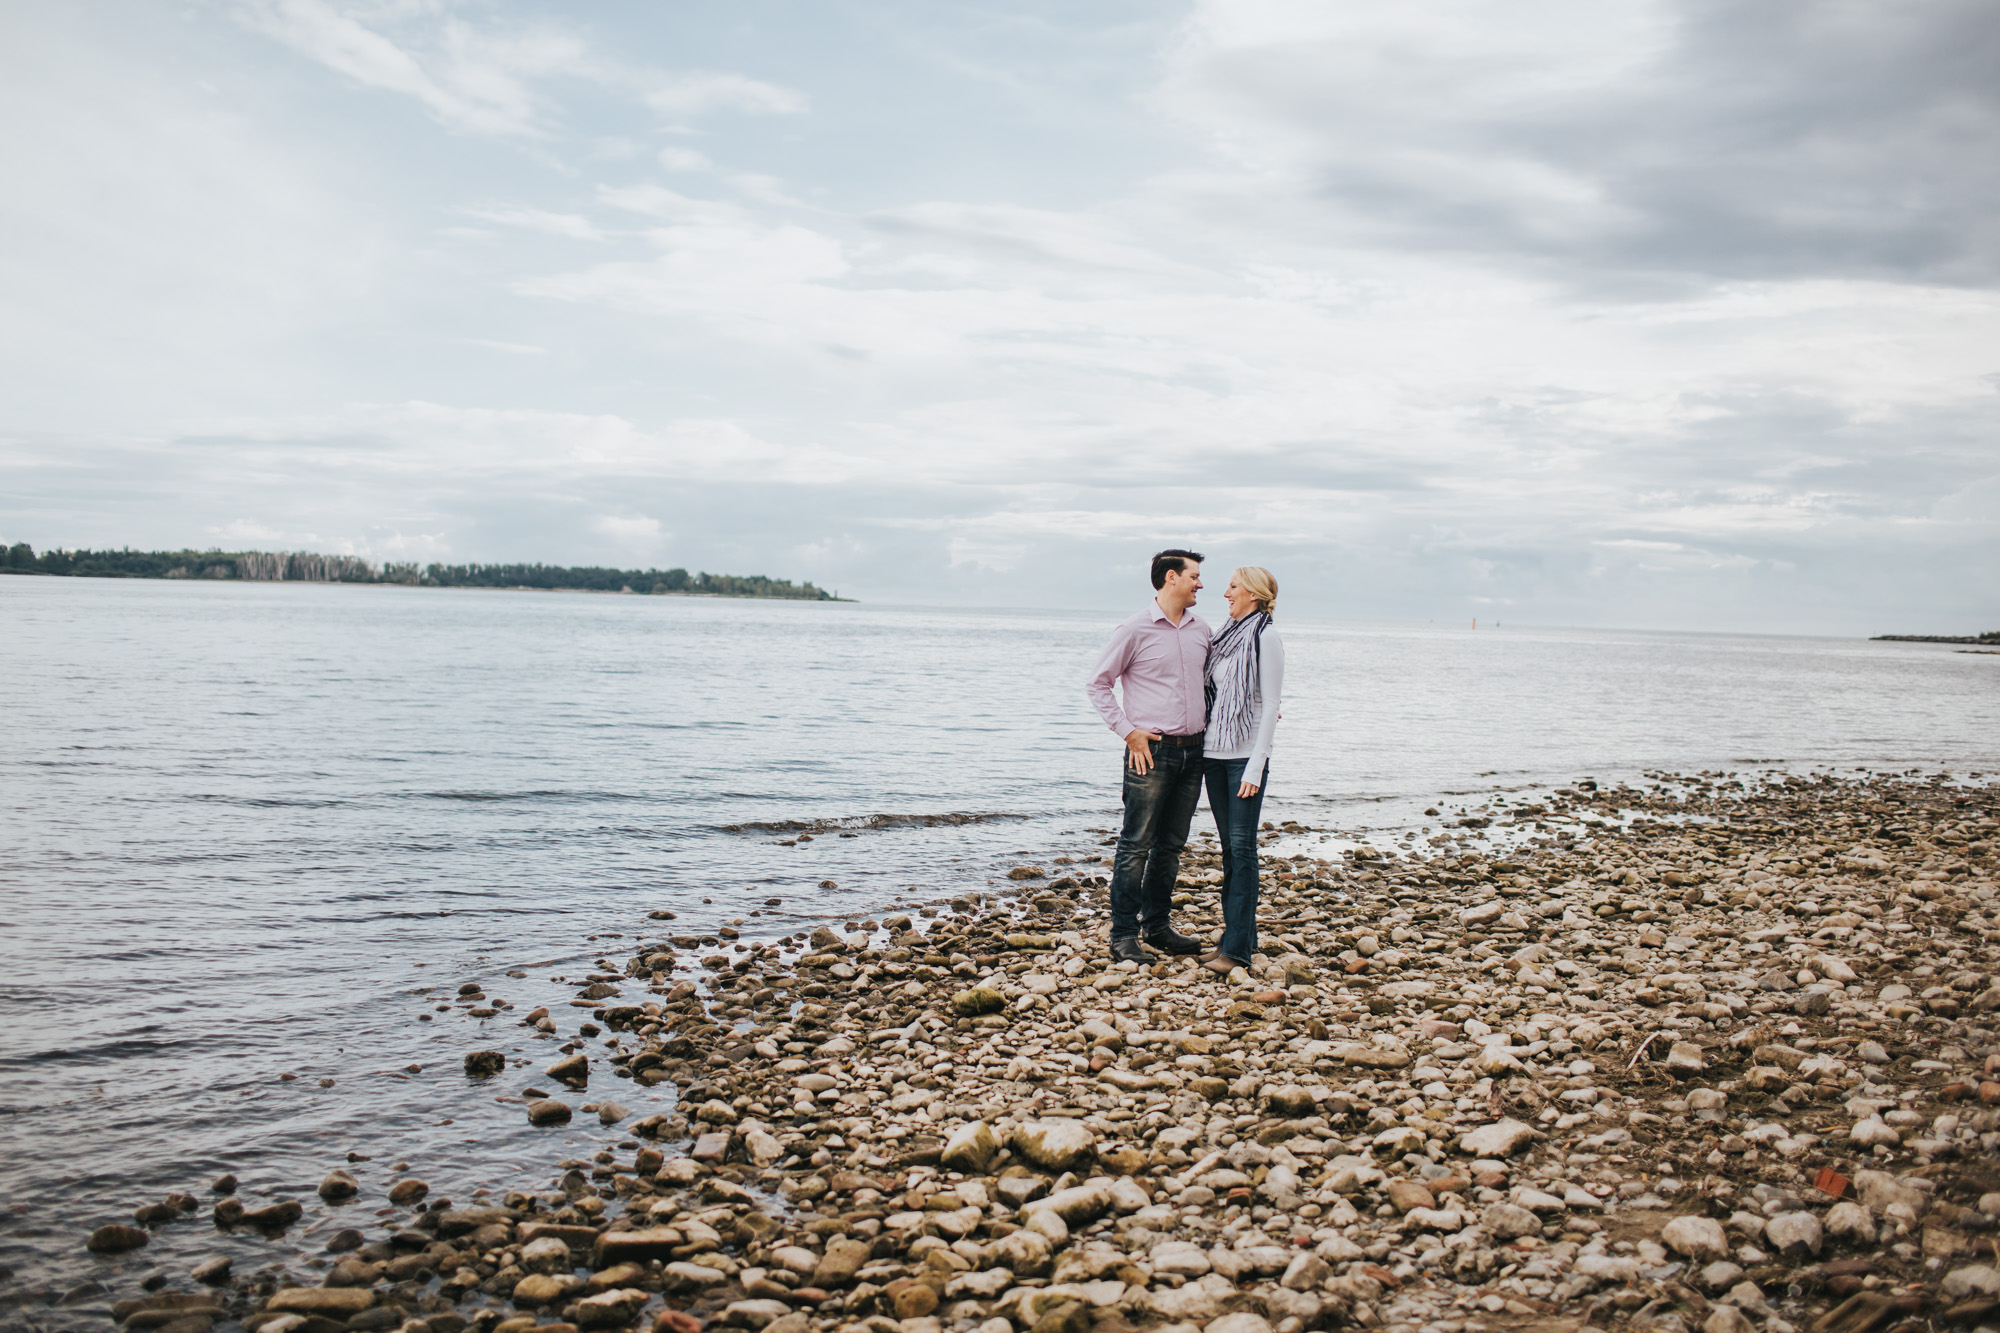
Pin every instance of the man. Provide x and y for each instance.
(1157, 660)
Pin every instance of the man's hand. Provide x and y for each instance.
(1246, 791)
(1139, 747)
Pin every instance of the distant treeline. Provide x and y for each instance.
(307, 567)
(1990, 637)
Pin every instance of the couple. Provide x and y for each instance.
(1197, 706)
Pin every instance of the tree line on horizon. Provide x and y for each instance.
(309, 567)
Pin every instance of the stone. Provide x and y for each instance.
(610, 1113)
(976, 1000)
(1720, 1276)
(970, 1149)
(1338, 1249)
(573, 1070)
(1850, 1221)
(1501, 1139)
(1972, 1280)
(684, 1277)
(406, 1192)
(548, 1111)
(917, 1299)
(1047, 1224)
(1078, 1205)
(1406, 1195)
(333, 1302)
(539, 1289)
(339, 1186)
(1305, 1272)
(1727, 1319)
(1399, 1141)
(1026, 1253)
(273, 1216)
(1696, 1238)
(1243, 1322)
(546, 1254)
(1291, 1101)
(842, 1260)
(612, 1309)
(1684, 1057)
(1795, 1235)
(757, 1313)
(1881, 1191)
(116, 1238)
(1179, 1257)
(1364, 1056)
(639, 1245)
(1506, 1221)
(1191, 1304)
(1871, 1131)
(1053, 1145)
(484, 1064)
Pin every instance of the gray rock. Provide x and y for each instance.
(1507, 1221)
(1053, 1145)
(1501, 1139)
(1972, 1280)
(1697, 1238)
(1793, 1235)
(970, 1148)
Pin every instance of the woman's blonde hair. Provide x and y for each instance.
(1261, 584)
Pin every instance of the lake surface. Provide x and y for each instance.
(243, 823)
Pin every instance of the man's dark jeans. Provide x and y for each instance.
(1236, 828)
(1158, 809)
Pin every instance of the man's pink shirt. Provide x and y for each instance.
(1159, 666)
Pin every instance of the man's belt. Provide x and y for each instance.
(1191, 741)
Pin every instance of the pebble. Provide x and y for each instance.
(1462, 1083)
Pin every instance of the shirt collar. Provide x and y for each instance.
(1162, 616)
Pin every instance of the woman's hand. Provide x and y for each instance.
(1246, 791)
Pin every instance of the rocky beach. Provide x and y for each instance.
(1708, 1053)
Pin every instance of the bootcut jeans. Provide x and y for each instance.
(1236, 829)
(1158, 809)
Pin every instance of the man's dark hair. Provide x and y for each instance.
(1176, 560)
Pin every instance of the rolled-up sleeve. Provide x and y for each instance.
(1110, 666)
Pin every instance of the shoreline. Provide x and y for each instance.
(1464, 1090)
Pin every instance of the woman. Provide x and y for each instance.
(1246, 672)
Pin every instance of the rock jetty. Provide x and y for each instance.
(1704, 1055)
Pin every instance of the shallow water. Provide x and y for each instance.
(245, 822)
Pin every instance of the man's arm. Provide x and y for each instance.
(1110, 666)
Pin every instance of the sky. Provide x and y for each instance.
(1584, 312)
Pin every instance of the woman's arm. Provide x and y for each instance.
(1271, 684)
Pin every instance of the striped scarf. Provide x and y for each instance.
(1232, 680)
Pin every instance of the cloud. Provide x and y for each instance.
(634, 533)
(478, 79)
(1627, 311)
(572, 225)
(703, 92)
(1641, 142)
(684, 159)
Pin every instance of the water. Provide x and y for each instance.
(245, 822)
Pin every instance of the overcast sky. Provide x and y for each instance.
(1583, 312)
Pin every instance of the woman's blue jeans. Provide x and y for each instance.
(1236, 829)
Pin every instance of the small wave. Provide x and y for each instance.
(267, 802)
(863, 822)
(123, 1048)
(548, 794)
